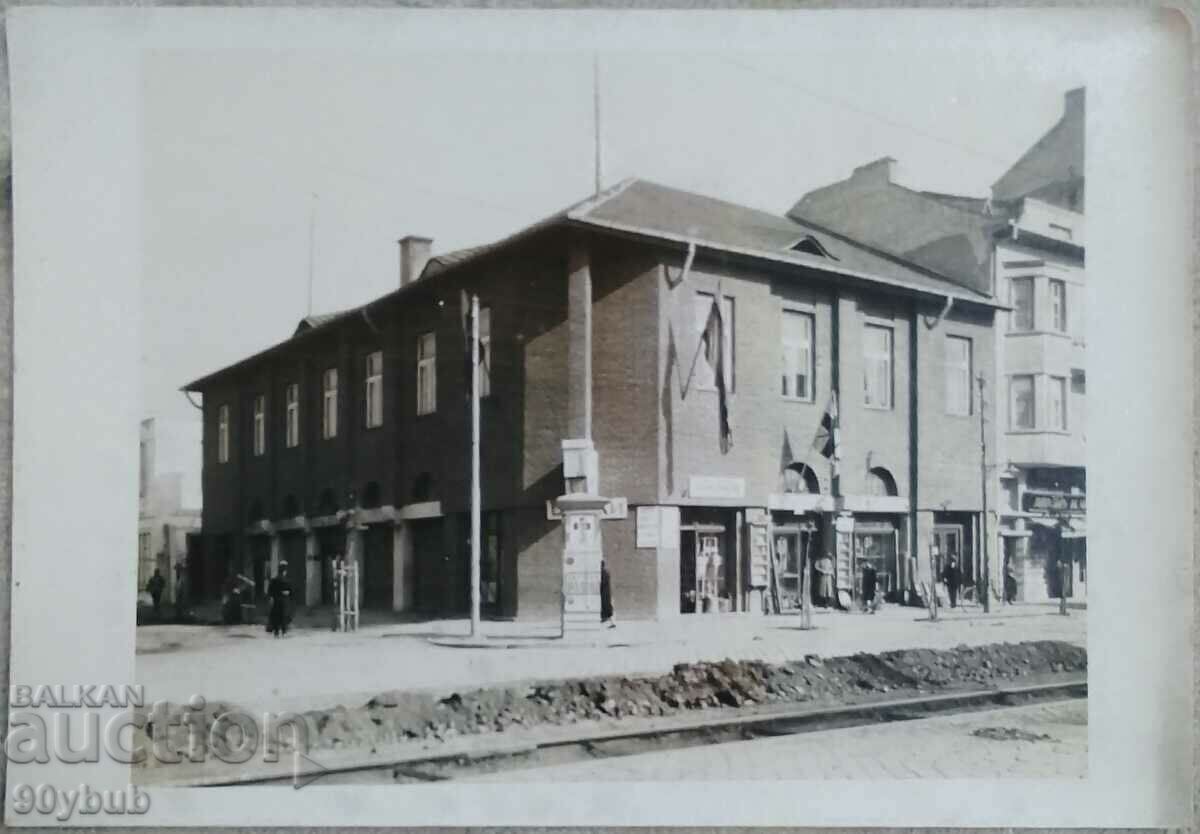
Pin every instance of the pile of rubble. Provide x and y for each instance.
(398, 715)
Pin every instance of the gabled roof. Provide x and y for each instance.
(668, 215)
(660, 212)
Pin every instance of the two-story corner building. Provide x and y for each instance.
(1027, 242)
(168, 499)
(600, 331)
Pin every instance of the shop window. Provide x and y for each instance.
(880, 482)
(800, 478)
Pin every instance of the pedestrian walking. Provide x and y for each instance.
(180, 589)
(953, 578)
(606, 606)
(279, 590)
(825, 580)
(1010, 584)
(869, 580)
(155, 586)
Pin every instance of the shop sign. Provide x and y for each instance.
(1051, 502)
(712, 487)
(616, 508)
(658, 527)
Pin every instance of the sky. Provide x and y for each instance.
(247, 151)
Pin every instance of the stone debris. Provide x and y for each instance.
(399, 715)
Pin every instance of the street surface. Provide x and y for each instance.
(944, 747)
(312, 669)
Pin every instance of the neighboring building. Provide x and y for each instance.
(168, 499)
(596, 336)
(1027, 242)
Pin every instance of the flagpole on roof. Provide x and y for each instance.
(596, 120)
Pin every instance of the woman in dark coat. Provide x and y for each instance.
(280, 591)
(869, 581)
(606, 606)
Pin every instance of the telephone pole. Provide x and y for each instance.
(983, 536)
(475, 491)
(596, 120)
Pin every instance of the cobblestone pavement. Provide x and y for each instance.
(931, 748)
(318, 669)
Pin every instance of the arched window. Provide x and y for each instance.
(328, 504)
(800, 478)
(880, 482)
(257, 513)
(371, 495)
(422, 488)
(291, 507)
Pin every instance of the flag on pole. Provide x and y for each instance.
(827, 441)
(714, 353)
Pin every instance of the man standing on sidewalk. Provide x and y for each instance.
(869, 581)
(606, 606)
(952, 578)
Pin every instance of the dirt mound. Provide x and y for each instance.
(398, 715)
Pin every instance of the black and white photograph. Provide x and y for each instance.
(565, 400)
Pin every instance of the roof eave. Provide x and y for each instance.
(788, 259)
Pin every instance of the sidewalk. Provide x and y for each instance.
(319, 668)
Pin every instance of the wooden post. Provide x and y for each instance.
(1062, 586)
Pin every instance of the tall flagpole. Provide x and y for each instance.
(312, 234)
(596, 120)
(475, 493)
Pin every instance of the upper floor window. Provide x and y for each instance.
(374, 389)
(797, 360)
(1058, 305)
(1056, 403)
(260, 425)
(877, 366)
(1022, 302)
(1022, 411)
(714, 325)
(426, 373)
(292, 416)
(223, 434)
(958, 375)
(329, 403)
(485, 351)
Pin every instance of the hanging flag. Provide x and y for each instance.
(714, 354)
(465, 301)
(826, 441)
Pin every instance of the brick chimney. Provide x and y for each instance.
(414, 254)
(880, 170)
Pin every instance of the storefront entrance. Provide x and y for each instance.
(795, 548)
(707, 562)
(876, 543)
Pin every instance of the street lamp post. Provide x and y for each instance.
(983, 538)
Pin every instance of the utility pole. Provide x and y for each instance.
(475, 492)
(983, 536)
